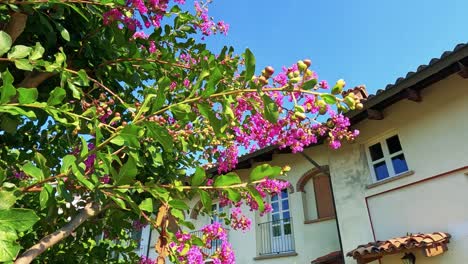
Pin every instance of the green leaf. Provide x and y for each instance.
(19, 52)
(76, 91)
(199, 177)
(45, 195)
(37, 52)
(8, 90)
(309, 84)
(27, 95)
(270, 109)
(23, 64)
(159, 193)
(181, 111)
(264, 170)
(2, 175)
(179, 214)
(227, 180)
(17, 218)
(83, 77)
(233, 195)
(63, 31)
(7, 199)
(33, 171)
(329, 99)
(163, 83)
(147, 205)
(206, 200)
(56, 96)
(67, 162)
(258, 198)
(208, 112)
(160, 134)
(178, 204)
(128, 136)
(214, 79)
(13, 110)
(249, 64)
(9, 248)
(5, 42)
(127, 173)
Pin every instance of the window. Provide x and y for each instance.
(323, 196)
(386, 158)
(317, 195)
(280, 216)
(218, 212)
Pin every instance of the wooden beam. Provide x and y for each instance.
(413, 95)
(373, 114)
(463, 70)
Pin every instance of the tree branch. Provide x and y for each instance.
(34, 79)
(16, 25)
(90, 210)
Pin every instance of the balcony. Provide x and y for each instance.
(215, 244)
(275, 237)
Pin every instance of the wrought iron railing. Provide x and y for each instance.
(275, 237)
(215, 244)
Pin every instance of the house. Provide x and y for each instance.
(397, 194)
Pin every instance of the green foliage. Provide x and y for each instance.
(89, 113)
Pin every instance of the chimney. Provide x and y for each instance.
(359, 91)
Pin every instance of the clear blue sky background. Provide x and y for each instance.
(370, 42)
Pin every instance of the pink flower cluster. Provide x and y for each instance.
(207, 25)
(212, 232)
(146, 260)
(239, 220)
(295, 128)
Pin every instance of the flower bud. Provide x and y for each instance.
(337, 89)
(301, 65)
(299, 109)
(349, 101)
(269, 70)
(308, 73)
(308, 62)
(295, 80)
(300, 116)
(296, 73)
(341, 83)
(359, 106)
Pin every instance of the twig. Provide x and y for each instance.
(90, 210)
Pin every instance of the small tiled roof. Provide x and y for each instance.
(398, 244)
(330, 258)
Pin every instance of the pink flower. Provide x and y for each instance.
(239, 220)
(323, 84)
(186, 82)
(140, 35)
(152, 48)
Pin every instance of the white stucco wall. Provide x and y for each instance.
(311, 240)
(433, 134)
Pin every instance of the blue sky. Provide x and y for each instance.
(362, 41)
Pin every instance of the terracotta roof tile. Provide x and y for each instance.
(333, 257)
(397, 244)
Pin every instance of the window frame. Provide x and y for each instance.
(387, 157)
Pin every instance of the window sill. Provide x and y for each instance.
(279, 255)
(319, 220)
(394, 178)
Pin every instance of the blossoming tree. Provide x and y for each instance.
(110, 113)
